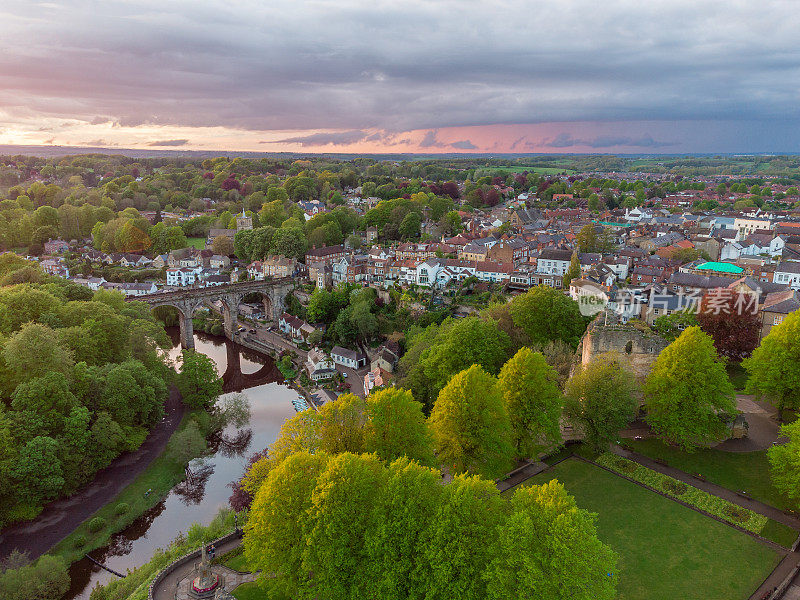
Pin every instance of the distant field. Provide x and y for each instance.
(541, 170)
(667, 551)
(199, 243)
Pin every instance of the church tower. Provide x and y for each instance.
(243, 222)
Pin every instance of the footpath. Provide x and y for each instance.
(61, 517)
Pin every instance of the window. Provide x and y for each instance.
(777, 320)
(655, 311)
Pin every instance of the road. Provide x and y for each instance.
(62, 517)
(354, 379)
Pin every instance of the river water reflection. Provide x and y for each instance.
(270, 405)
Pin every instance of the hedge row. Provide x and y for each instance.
(714, 505)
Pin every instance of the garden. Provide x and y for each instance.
(666, 550)
(738, 471)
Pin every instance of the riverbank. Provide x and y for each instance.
(62, 517)
(133, 501)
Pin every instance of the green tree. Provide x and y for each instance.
(35, 351)
(45, 578)
(600, 398)
(460, 344)
(470, 425)
(784, 460)
(342, 514)
(529, 387)
(198, 381)
(396, 427)
(186, 445)
(410, 226)
(290, 242)
(275, 533)
(222, 245)
(548, 548)
(574, 270)
(687, 392)
(456, 549)
(37, 469)
(774, 367)
(341, 425)
(41, 406)
(412, 498)
(363, 320)
(546, 314)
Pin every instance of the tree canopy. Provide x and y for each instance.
(688, 393)
(351, 526)
(529, 387)
(470, 425)
(774, 367)
(601, 398)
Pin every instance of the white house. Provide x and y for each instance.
(348, 358)
(295, 327)
(93, 283)
(553, 261)
(255, 270)
(747, 225)
(776, 245)
(182, 276)
(493, 272)
(319, 365)
(131, 289)
(788, 273)
(730, 251)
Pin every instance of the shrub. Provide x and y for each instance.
(97, 524)
(624, 465)
(80, 541)
(673, 487)
(122, 508)
(737, 513)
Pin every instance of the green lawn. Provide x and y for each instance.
(252, 591)
(238, 562)
(737, 471)
(199, 243)
(667, 551)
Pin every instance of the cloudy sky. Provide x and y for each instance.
(403, 76)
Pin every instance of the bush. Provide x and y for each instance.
(676, 488)
(122, 508)
(737, 513)
(623, 465)
(97, 524)
(80, 541)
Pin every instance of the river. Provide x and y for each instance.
(270, 405)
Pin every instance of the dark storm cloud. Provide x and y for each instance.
(353, 66)
(168, 143)
(463, 145)
(565, 140)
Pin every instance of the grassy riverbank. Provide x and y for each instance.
(147, 490)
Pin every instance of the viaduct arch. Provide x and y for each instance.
(187, 301)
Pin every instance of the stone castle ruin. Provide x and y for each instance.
(637, 346)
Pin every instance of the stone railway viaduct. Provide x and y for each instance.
(187, 301)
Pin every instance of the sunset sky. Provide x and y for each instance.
(403, 76)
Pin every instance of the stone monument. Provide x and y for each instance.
(205, 582)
